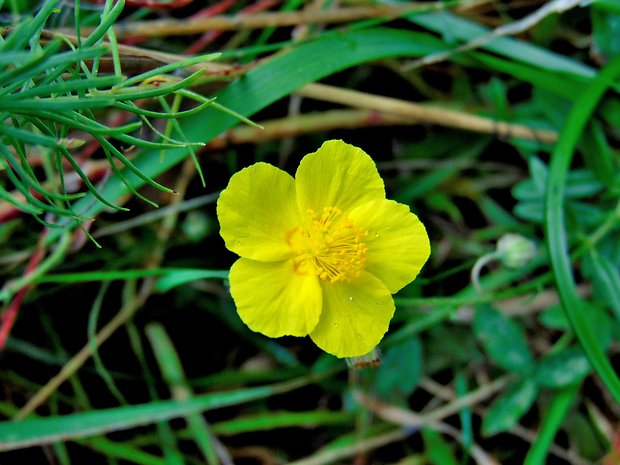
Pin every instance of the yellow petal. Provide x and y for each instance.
(337, 175)
(397, 242)
(355, 316)
(256, 210)
(273, 300)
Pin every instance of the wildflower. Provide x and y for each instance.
(321, 253)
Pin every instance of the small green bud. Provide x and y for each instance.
(515, 251)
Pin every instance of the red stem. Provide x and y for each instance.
(8, 317)
(210, 36)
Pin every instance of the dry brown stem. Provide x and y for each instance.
(424, 113)
(308, 123)
(179, 27)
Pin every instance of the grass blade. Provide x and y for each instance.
(554, 223)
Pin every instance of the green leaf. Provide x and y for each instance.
(177, 278)
(606, 281)
(564, 368)
(609, 5)
(274, 420)
(437, 450)
(462, 30)
(260, 87)
(104, 275)
(505, 411)
(40, 431)
(605, 32)
(555, 232)
(551, 422)
(400, 370)
(503, 339)
(598, 154)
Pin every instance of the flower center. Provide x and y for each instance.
(329, 245)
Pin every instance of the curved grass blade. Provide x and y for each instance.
(167, 69)
(25, 207)
(266, 84)
(116, 170)
(89, 184)
(23, 32)
(64, 87)
(79, 121)
(149, 91)
(132, 108)
(31, 181)
(555, 232)
(125, 161)
(40, 431)
(28, 137)
(177, 276)
(18, 75)
(106, 23)
(32, 200)
(465, 30)
(552, 420)
(59, 63)
(175, 124)
(57, 103)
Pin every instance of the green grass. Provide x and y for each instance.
(126, 345)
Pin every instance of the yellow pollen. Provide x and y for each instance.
(328, 245)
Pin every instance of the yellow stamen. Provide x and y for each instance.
(329, 245)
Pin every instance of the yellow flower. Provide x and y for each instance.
(321, 254)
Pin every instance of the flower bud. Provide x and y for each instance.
(515, 250)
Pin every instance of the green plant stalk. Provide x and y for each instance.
(555, 232)
(92, 332)
(40, 431)
(163, 427)
(172, 369)
(122, 451)
(125, 274)
(551, 422)
(30, 28)
(174, 123)
(56, 257)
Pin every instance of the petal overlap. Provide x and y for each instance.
(355, 316)
(273, 300)
(256, 210)
(397, 242)
(337, 175)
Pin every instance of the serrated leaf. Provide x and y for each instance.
(507, 409)
(560, 369)
(503, 340)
